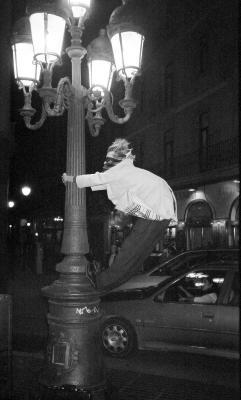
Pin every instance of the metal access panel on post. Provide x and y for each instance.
(5, 346)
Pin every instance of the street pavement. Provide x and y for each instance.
(206, 370)
(140, 377)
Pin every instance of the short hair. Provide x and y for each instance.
(118, 151)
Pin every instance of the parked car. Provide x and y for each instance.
(159, 316)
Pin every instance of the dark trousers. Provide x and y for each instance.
(135, 249)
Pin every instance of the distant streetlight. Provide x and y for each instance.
(26, 190)
(11, 204)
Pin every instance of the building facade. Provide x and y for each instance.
(186, 125)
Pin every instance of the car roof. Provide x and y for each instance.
(192, 253)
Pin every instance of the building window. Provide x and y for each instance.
(168, 89)
(203, 55)
(234, 226)
(204, 139)
(199, 219)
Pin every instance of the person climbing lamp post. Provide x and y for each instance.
(74, 358)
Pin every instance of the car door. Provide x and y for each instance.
(176, 323)
(227, 316)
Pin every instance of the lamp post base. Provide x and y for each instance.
(74, 362)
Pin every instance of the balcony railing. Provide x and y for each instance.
(219, 155)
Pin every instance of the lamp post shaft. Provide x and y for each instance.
(75, 230)
(74, 354)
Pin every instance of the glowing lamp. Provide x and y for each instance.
(47, 21)
(26, 71)
(11, 204)
(127, 38)
(79, 7)
(100, 62)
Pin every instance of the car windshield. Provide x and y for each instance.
(186, 260)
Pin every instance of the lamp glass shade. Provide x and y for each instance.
(127, 49)
(47, 35)
(25, 70)
(79, 7)
(100, 73)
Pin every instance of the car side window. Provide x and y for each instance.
(198, 286)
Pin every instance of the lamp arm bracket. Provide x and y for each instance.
(113, 117)
(27, 92)
(93, 128)
(108, 104)
(56, 101)
(95, 119)
(102, 98)
(27, 116)
(94, 100)
(65, 92)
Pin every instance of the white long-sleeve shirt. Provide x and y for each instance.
(135, 191)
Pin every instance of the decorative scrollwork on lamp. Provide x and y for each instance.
(32, 57)
(99, 99)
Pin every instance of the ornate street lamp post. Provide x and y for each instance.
(74, 357)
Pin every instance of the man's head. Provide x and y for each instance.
(118, 151)
(207, 283)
